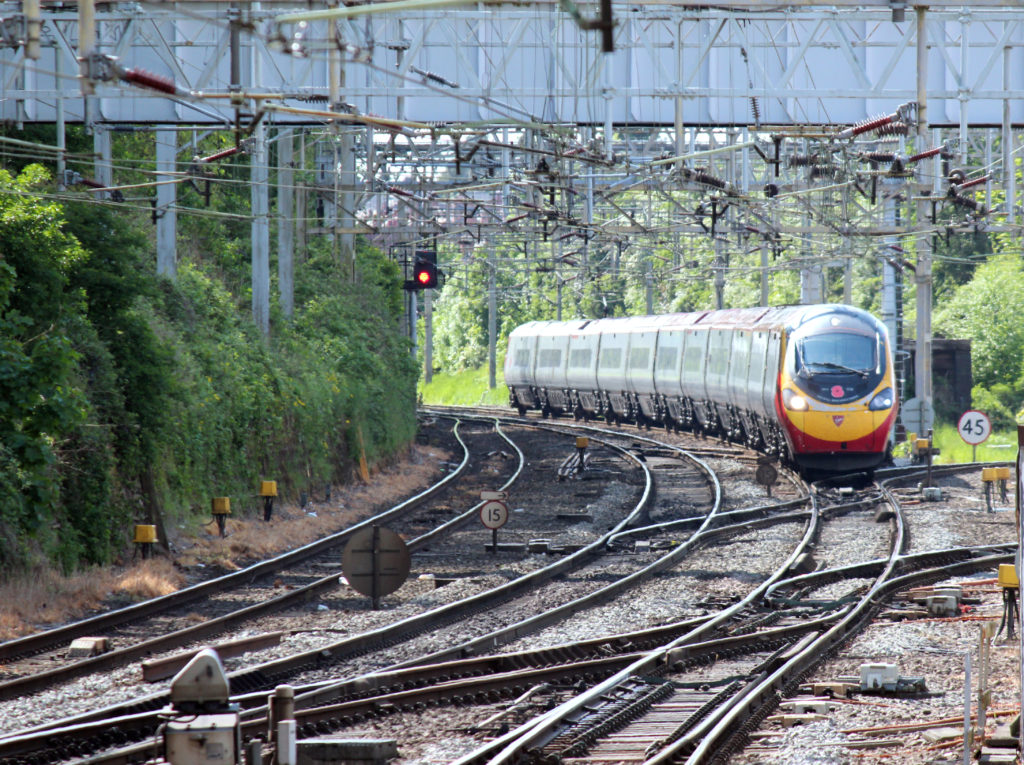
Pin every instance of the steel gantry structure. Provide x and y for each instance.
(851, 130)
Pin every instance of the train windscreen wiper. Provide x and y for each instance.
(833, 365)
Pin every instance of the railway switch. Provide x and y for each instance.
(203, 728)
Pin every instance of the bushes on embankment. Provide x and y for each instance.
(129, 398)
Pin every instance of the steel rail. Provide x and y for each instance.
(40, 680)
(511, 746)
(266, 675)
(43, 641)
(704, 742)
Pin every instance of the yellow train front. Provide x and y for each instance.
(836, 395)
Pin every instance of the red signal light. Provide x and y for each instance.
(425, 274)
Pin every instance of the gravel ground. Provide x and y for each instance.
(931, 648)
(928, 647)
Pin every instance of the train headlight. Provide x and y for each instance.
(793, 401)
(883, 400)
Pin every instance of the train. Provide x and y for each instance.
(811, 385)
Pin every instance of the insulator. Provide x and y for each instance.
(220, 154)
(701, 176)
(970, 204)
(800, 160)
(755, 108)
(823, 171)
(879, 156)
(893, 128)
(926, 154)
(145, 79)
(865, 126)
(972, 183)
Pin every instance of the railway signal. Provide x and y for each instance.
(424, 271)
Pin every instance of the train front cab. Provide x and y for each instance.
(836, 393)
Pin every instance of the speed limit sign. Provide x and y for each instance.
(494, 514)
(974, 427)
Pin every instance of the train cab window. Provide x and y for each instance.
(638, 358)
(838, 352)
(666, 360)
(837, 367)
(579, 358)
(522, 357)
(549, 357)
(611, 358)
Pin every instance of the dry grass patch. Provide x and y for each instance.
(44, 597)
(250, 538)
(150, 579)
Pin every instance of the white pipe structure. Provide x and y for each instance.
(370, 8)
(86, 42)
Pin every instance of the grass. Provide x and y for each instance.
(468, 388)
(1001, 446)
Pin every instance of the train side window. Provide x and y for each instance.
(666, 360)
(523, 357)
(579, 358)
(611, 358)
(638, 358)
(549, 357)
(693, 356)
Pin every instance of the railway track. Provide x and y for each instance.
(22, 746)
(127, 627)
(682, 687)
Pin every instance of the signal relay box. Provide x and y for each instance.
(203, 740)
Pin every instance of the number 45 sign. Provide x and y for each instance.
(974, 427)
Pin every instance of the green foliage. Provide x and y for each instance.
(466, 388)
(1001, 446)
(999, 402)
(40, 402)
(988, 310)
(112, 379)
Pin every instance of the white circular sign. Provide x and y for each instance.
(974, 427)
(494, 514)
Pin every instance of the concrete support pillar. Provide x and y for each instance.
(260, 196)
(285, 223)
(428, 336)
(346, 201)
(1009, 168)
(492, 324)
(923, 271)
(102, 163)
(718, 266)
(812, 279)
(58, 58)
(166, 200)
(764, 274)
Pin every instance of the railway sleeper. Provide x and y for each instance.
(623, 704)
